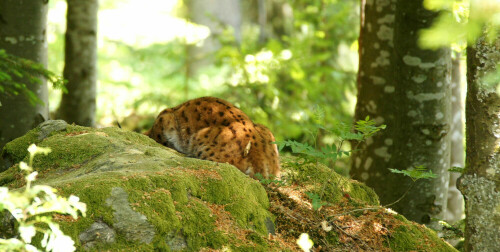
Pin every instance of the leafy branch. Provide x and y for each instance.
(329, 153)
(16, 73)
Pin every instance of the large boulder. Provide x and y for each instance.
(142, 196)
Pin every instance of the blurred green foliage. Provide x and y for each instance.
(461, 22)
(281, 82)
(278, 82)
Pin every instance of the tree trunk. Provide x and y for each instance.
(408, 89)
(256, 14)
(215, 14)
(455, 204)
(79, 104)
(22, 33)
(480, 182)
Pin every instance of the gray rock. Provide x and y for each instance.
(176, 241)
(132, 224)
(50, 126)
(270, 226)
(7, 225)
(98, 233)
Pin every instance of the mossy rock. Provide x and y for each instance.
(153, 197)
(142, 196)
(323, 181)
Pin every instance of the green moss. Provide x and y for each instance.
(17, 149)
(328, 184)
(82, 149)
(8, 176)
(413, 237)
(181, 197)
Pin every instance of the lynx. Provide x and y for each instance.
(213, 129)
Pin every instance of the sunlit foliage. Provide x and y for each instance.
(143, 62)
(282, 82)
(461, 21)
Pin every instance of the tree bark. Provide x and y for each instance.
(408, 89)
(79, 104)
(481, 179)
(455, 204)
(23, 34)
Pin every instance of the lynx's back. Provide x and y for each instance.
(213, 129)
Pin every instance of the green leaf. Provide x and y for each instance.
(457, 169)
(315, 200)
(419, 172)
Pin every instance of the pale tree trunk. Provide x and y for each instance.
(408, 89)
(255, 12)
(480, 182)
(22, 34)
(216, 15)
(455, 205)
(79, 104)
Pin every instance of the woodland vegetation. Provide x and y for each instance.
(403, 96)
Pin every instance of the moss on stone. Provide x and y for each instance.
(185, 199)
(411, 237)
(173, 192)
(329, 185)
(17, 149)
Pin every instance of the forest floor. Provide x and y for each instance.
(355, 229)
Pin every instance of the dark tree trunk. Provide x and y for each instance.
(79, 104)
(481, 182)
(408, 89)
(23, 34)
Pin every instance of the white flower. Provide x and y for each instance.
(304, 242)
(31, 176)
(27, 232)
(30, 248)
(33, 149)
(24, 166)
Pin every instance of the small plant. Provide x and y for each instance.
(329, 154)
(419, 172)
(32, 209)
(453, 231)
(270, 180)
(315, 201)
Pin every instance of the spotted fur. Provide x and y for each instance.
(213, 129)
